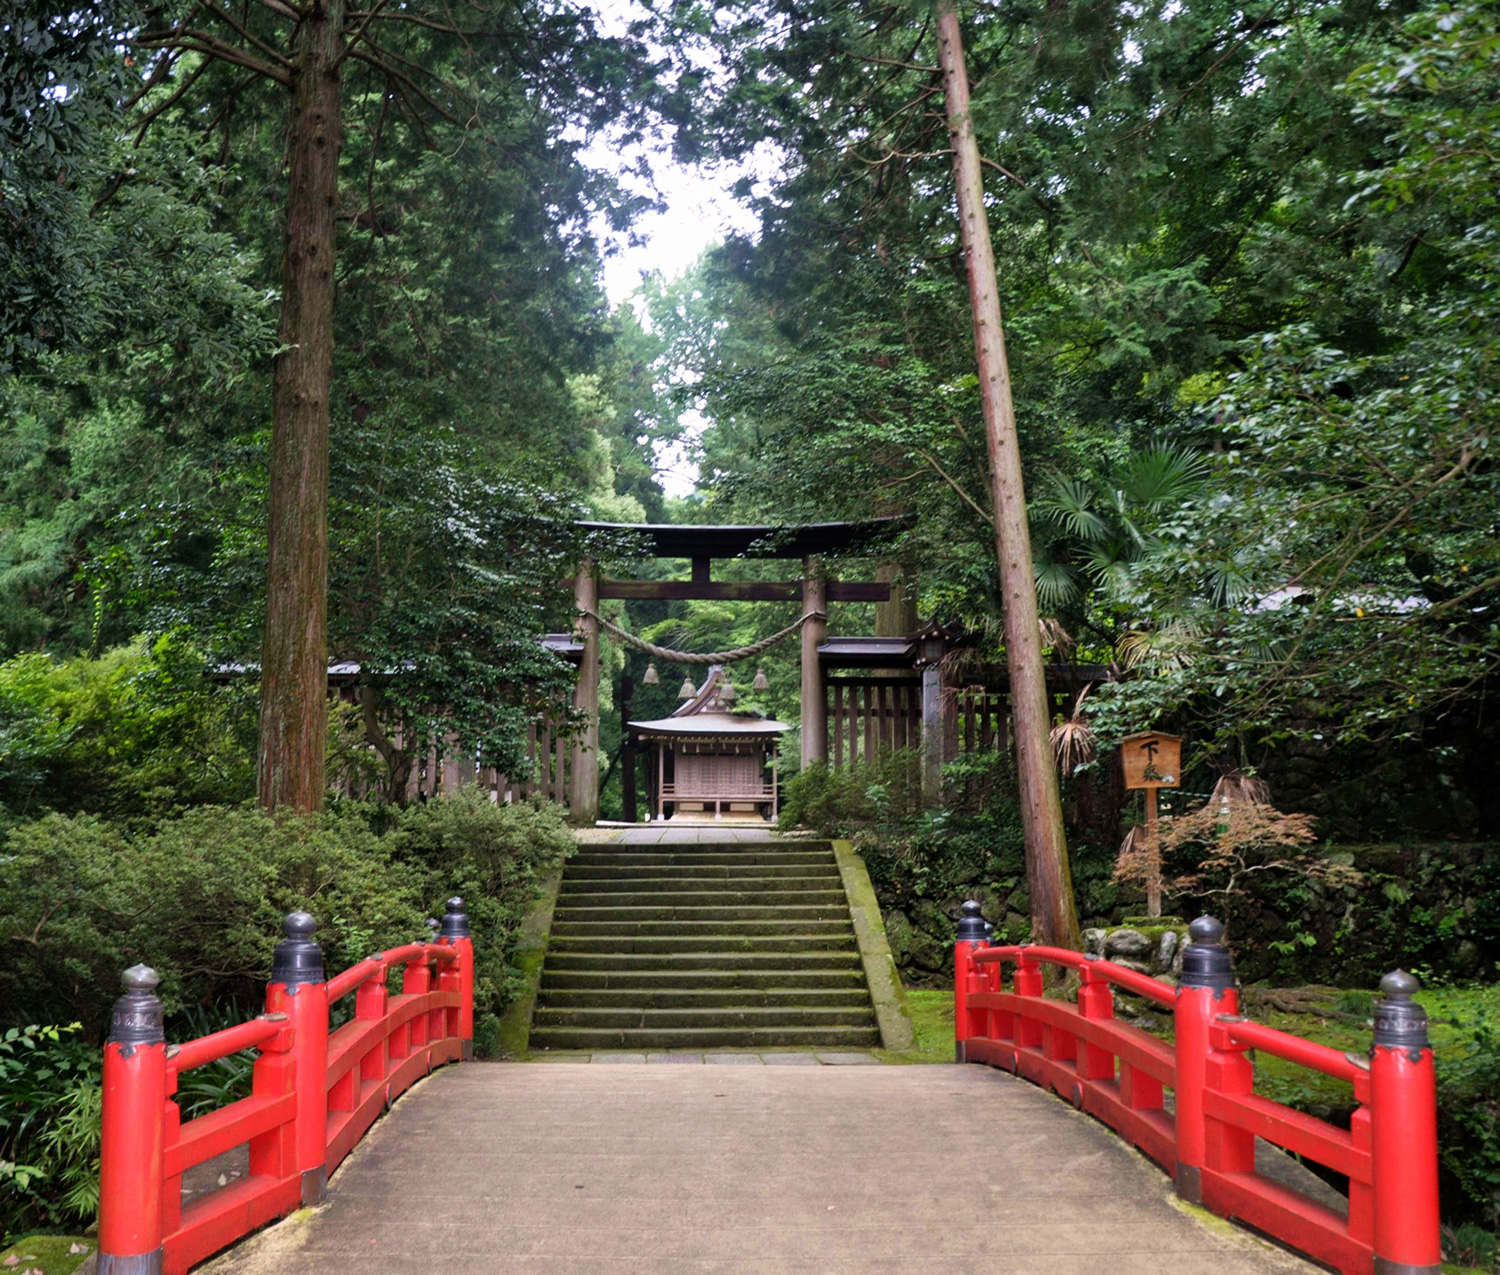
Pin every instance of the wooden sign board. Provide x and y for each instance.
(1152, 760)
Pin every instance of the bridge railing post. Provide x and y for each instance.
(1205, 991)
(1403, 1099)
(966, 976)
(1027, 981)
(133, 1134)
(299, 990)
(455, 932)
(1096, 1000)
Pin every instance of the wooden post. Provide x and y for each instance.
(627, 757)
(583, 787)
(932, 722)
(1153, 858)
(814, 693)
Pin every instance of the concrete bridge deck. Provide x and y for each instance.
(559, 1167)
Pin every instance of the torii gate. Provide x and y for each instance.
(701, 545)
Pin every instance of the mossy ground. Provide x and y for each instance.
(932, 1019)
(48, 1253)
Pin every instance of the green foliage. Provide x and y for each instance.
(491, 856)
(199, 897)
(137, 728)
(921, 861)
(1469, 1103)
(50, 1095)
(844, 801)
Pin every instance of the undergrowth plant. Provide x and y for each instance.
(50, 1100)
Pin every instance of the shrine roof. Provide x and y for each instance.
(672, 540)
(707, 714)
(710, 724)
(867, 652)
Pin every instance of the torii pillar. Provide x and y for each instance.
(814, 693)
(583, 778)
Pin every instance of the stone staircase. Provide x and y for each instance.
(702, 946)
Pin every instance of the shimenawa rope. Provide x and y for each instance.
(703, 657)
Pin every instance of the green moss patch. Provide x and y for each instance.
(932, 1021)
(47, 1254)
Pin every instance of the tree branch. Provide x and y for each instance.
(159, 72)
(952, 482)
(447, 29)
(369, 59)
(244, 34)
(211, 46)
(359, 33)
(167, 105)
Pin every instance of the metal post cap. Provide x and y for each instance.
(138, 1015)
(971, 924)
(1205, 960)
(455, 921)
(298, 957)
(1400, 1022)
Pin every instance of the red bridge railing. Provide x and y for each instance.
(313, 1094)
(1206, 1137)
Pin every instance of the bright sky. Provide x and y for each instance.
(699, 212)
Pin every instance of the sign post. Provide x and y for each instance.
(1152, 760)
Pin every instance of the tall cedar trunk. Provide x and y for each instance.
(1054, 915)
(294, 655)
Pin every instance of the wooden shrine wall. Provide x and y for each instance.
(868, 715)
(443, 769)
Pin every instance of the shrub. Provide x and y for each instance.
(201, 898)
(132, 731)
(840, 802)
(491, 855)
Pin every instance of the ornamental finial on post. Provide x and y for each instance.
(455, 921)
(1400, 1023)
(137, 1018)
(971, 925)
(298, 957)
(1206, 962)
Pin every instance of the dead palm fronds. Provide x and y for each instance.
(1235, 788)
(1073, 741)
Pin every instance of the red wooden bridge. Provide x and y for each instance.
(764, 1168)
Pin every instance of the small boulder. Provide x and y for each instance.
(1127, 942)
(926, 952)
(898, 933)
(1093, 941)
(1166, 949)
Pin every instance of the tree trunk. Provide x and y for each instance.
(1054, 915)
(294, 654)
